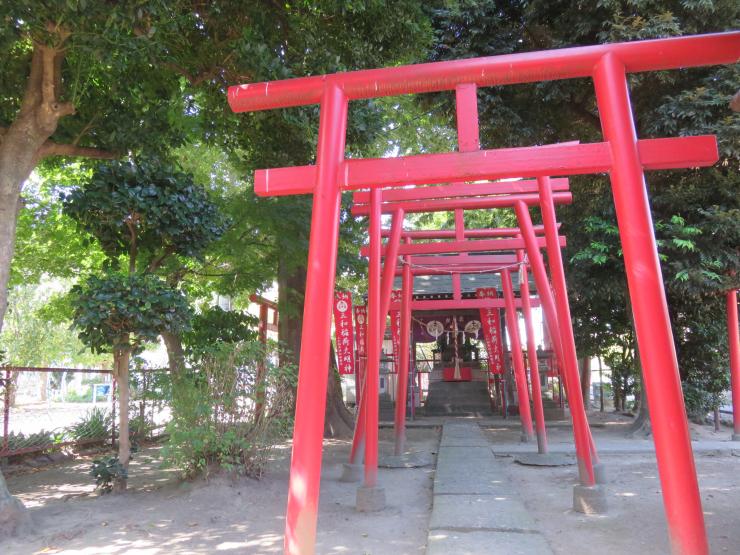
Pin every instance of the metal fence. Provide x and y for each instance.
(50, 408)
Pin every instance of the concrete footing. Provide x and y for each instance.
(370, 499)
(351, 472)
(589, 500)
(407, 460)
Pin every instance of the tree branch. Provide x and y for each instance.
(50, 148)
(48, 79)
(131, 224)
(158, 260)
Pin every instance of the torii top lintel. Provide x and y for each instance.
(548, 160)
(565, 63)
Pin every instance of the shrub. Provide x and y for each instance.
(140, 427)
(106, 472)
(17, 441)
(214, 421)
(96, 424)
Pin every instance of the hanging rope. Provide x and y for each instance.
(491, 271)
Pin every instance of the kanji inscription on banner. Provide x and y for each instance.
(344, 333)
(491, 324)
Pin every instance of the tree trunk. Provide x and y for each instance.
(22, 145)
(585, 368)
(121, 362)
(338, 420)
(641, 427)
(14, 518)
(175, 352)
(44, 386)
(291, 293)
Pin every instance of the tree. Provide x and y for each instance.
(98, 80)
(119, 314)
(148, 217)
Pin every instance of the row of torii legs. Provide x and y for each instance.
(557, 317)
(553, 296)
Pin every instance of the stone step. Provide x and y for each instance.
(458, 399)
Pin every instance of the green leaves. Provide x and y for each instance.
(119, 311)
(145, 208)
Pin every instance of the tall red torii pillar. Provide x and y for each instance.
(622, 155)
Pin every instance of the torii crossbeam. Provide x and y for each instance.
(621, 154)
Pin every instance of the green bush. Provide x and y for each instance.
(140, 428)
(214, 423)
(96, 424)
(106, 471)
(42, 438)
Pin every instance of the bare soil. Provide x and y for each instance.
(163, 515)
(636, 521)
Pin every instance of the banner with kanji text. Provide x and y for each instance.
(396, 329)
(491, 323)
(344, 334)
(361, 329)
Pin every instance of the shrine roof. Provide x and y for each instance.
(442, 284)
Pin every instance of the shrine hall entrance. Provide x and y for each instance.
(452, 372)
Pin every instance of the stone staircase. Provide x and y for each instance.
(552, 410)
(458, 399)
(387, 408)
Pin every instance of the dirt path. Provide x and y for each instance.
(165, 516)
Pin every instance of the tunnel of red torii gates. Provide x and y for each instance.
(473, 262)
(621, 155)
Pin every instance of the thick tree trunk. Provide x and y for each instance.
(22, 145)
(291, 293)
(338, 420)
(121, 362)
(175, 352)
(641, 427)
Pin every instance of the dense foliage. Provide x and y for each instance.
(214, 419)
(118, 310)
(146, 210)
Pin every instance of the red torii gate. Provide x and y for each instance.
(442, 199)
(622, 155)
(507, 302)
(376, 316)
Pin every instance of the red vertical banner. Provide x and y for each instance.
(361, 330)
(396, 329)
(344, 333)
(491, 324)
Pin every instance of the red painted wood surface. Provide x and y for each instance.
(466, 374)
(529, 67)
(504, 163)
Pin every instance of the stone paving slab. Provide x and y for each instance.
(471, 484)
(475, 508)
(447, 542)
(489, 512)
(465, 457)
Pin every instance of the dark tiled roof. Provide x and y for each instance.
(440, 284)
